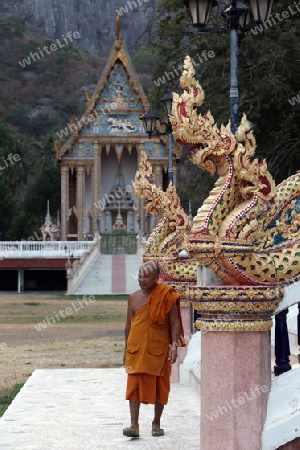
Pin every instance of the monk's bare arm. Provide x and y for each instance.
(175, 332)
(130, 313)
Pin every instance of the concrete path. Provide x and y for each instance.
(84, 409)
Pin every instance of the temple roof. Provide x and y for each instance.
(114, 107)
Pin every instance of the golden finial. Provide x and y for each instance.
(88, 97)
(118, 27)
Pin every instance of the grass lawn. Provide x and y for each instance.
(46, 330)
(36, 307)
(7, 396)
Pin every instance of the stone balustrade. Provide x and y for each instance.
(43, 249)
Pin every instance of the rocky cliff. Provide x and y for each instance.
(93, 19)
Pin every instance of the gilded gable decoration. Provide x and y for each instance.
(107, 138)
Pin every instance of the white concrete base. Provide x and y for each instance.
(283, 416)
(190, 368)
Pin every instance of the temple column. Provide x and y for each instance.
(95, 183)
(79, 206)
(99, 181)
(64, 201)
(93, 200)
(20, 281)
(84, 211)
(88, 198)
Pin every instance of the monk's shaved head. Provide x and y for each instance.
(150, 266)
(148, 276)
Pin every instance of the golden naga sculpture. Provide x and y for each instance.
(248, 227)
(247, 230)
(167, 240)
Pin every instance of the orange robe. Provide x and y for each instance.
(148, 346)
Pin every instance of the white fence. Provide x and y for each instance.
(43, 249)
(79, 269)
(291, 296)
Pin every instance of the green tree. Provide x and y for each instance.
(7, 209)
(43, 151)
(16, 114)
(11, 26)
(269, 76)
(14, 160)
(46, 186)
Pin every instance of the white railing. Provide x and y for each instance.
(79, 269)
(283, 414)
(291, 296)
(43, 249)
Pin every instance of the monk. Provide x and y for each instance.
(152, 333)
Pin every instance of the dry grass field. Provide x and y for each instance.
(51, 330)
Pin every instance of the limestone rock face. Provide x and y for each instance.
(93, 19)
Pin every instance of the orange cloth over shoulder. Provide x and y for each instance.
(149, 337)
(148, 346)
(160, 303)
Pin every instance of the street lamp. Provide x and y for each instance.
(238, 17)
(149, 120)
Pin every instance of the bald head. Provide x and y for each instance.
(150, 266)
(148, 276)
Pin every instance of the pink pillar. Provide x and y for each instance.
(235, 324)
(235, 380)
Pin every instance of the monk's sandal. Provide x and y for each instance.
(157, 432)
(132, 432)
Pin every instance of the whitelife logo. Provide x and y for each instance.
(57, 316)
(47, 50)
(295, 100)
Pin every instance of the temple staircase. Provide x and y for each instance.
(110, 274)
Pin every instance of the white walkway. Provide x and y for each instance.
(84, 409)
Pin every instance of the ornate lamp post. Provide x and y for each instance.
(149, 120)
(238, 20)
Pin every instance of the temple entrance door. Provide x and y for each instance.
(118, 242)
